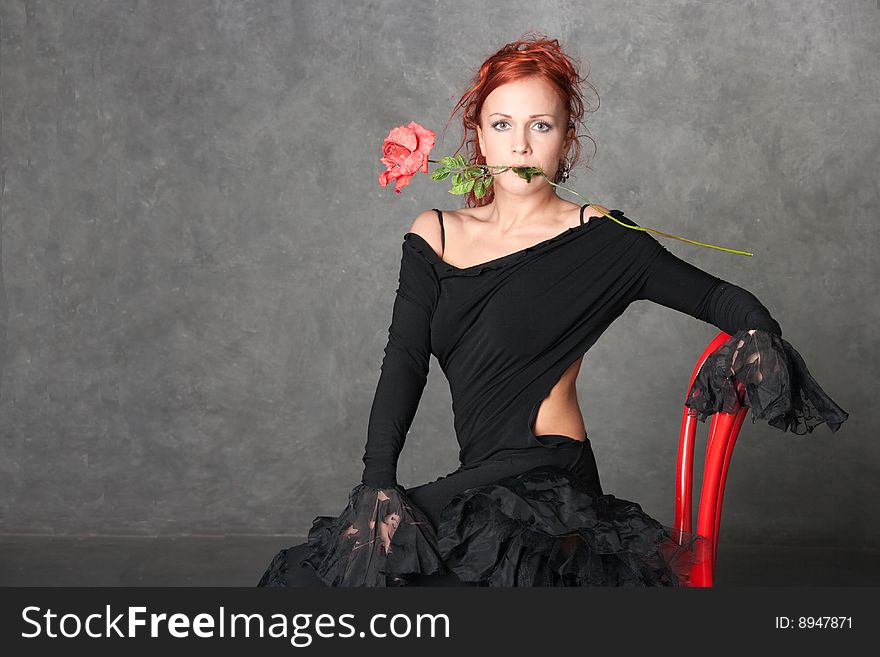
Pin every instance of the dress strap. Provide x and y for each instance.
(583, 207)
(442, 232)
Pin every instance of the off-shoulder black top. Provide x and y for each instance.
(505, 330)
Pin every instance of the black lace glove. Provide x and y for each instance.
(761, 370)
(380, 539)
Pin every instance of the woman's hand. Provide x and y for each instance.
(751, 358)
(759, 369)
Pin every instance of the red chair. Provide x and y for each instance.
(723, 431)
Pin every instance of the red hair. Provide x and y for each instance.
(531, 56)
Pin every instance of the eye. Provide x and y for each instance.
(544, 123)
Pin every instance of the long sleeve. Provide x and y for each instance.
(404, 370)
(382, 538)
(756, 368)
(677, 284)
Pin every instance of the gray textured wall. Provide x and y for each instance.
(198, 265)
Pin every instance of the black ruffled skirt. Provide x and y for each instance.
(542, 527)
(504, 523)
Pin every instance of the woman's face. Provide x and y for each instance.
(524, 123)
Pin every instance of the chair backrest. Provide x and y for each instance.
(723, 431)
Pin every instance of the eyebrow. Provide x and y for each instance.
(533, 116)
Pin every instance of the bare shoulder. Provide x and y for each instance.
(427, 226)
(463, 225)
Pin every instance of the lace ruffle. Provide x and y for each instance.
(763, 371)
(380, 539)
(545, 527)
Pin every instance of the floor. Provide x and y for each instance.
(241, 560)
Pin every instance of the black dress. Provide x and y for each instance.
(527, 510)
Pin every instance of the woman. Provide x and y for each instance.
(509, 293)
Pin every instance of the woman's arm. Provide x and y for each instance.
(756, 366)
(677, 284)
(381, 537)
(404, 369)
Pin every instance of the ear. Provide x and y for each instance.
(480, 139)
(569, 140)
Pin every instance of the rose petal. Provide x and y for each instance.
(413, 163)
(402, 182)
(404, 136)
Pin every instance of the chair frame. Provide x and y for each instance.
(723, 432)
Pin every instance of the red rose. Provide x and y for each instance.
(405, 152)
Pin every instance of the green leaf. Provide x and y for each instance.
(526, 172)
(448, 162)
(461, 161)
(480, 188)
(463, 187)
(456, 178)
(440, 173)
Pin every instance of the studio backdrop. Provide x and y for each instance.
(199, 265)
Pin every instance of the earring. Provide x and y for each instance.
(564, 169)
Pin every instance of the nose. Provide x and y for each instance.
(520, 145)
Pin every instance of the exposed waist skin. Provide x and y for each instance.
(559, 413)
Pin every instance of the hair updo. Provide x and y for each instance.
(533, 55)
